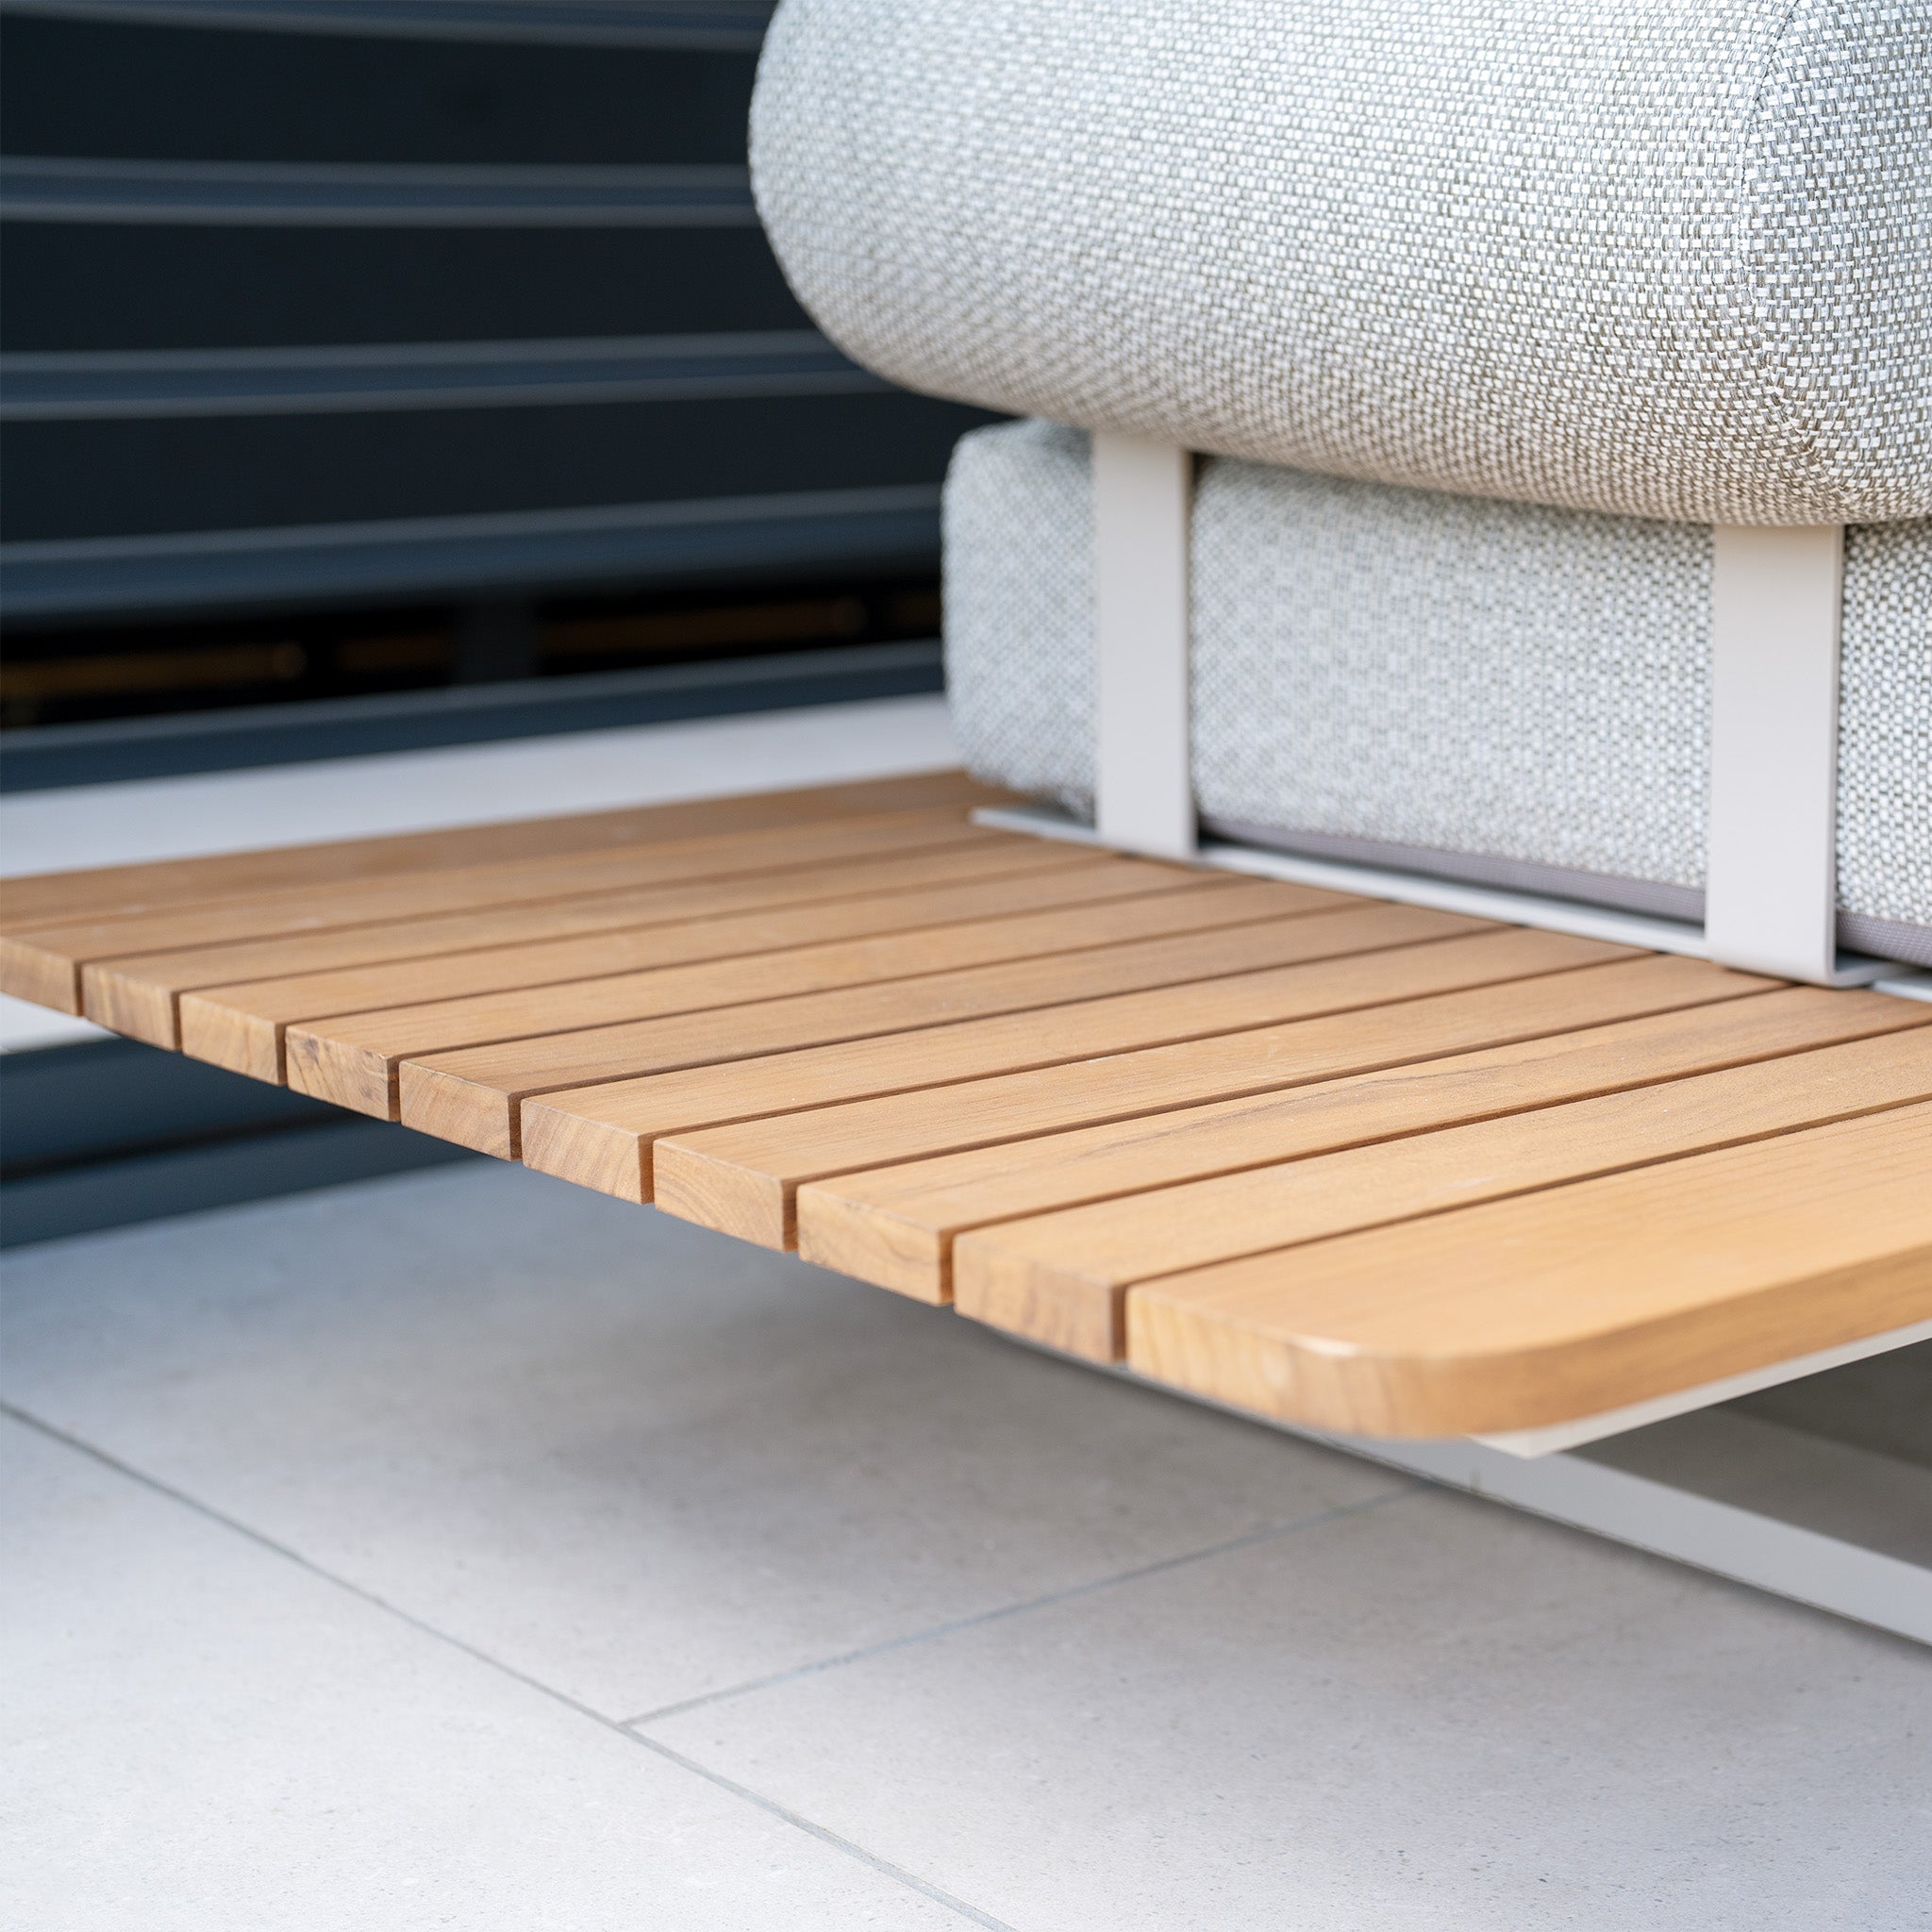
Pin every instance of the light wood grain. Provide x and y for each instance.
(743, 1179)
(1064, 1277)
(358, 1055)
(1317, 1082)
(1359, 1166)
(44, 964)
(71, 897)
(1525, 1312)
(603, 1136)
(473, 1097)
(138, 995)
(242, 1028)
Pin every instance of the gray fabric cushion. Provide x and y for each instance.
(1653, 258)
(1481, 689)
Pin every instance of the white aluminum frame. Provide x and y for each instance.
(1755, 1546)
(1770, 864)
(1531, 1443)
(1776, 599)
(1776, 606)
(1761, 1544)
(1143, 766)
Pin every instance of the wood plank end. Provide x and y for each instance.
(853, 1237)
(125, 1005)
(224, 1037)
(347, 1075)
(719, 1194)
(33, 973)
(1059, 1307)
(596, 1153)
(450, 1108)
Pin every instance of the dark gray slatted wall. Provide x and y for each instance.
(318, 301)
(310, 304)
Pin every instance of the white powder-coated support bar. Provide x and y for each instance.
(1772, 834)
(1766, 1539)
(1143, 509)
(1777, 596)
(1638, 1415)
(1503, 903)
(1772, 849)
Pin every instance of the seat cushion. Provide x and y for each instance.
(1487, 691)
(1630, 255)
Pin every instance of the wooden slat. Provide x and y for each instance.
(1064, 1277)
(353, 1061)
(44, 964)
(242, 1028)
(139, 995)
(71, 897)
(743, 1179)
(603, 1136)
(1539, 1309)
(473, 1097)
(1362, 1166)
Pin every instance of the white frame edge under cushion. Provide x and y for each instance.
(1449, 895)
(1776, 600)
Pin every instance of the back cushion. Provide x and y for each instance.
(1633, 256)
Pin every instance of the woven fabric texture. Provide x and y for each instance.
(1627, 255)
(1018, 549)
(1884, 726)
(1407, 668)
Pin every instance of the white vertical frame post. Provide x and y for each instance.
(1771, 895)
(1143, 785)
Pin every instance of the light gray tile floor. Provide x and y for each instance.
(204, 1732)
(469, 1550)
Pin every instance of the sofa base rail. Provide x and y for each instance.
(1776, 619)
(1547, 913)
(1720, 1492)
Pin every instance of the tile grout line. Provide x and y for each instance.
(1070, 1594)
(756, 1799)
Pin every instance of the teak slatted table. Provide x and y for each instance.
(1359, 1166)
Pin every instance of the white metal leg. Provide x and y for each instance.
(1142, 499)
(1638, 1415)
(1770, 864)
(1755, 1546)
(1768, 1544)
(1777, 598)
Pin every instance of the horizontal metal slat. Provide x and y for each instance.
(47, 757)
(373, 195)
(726, 25)
(108, 478)
(56, 387)
(99, 287)
(609, 543)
